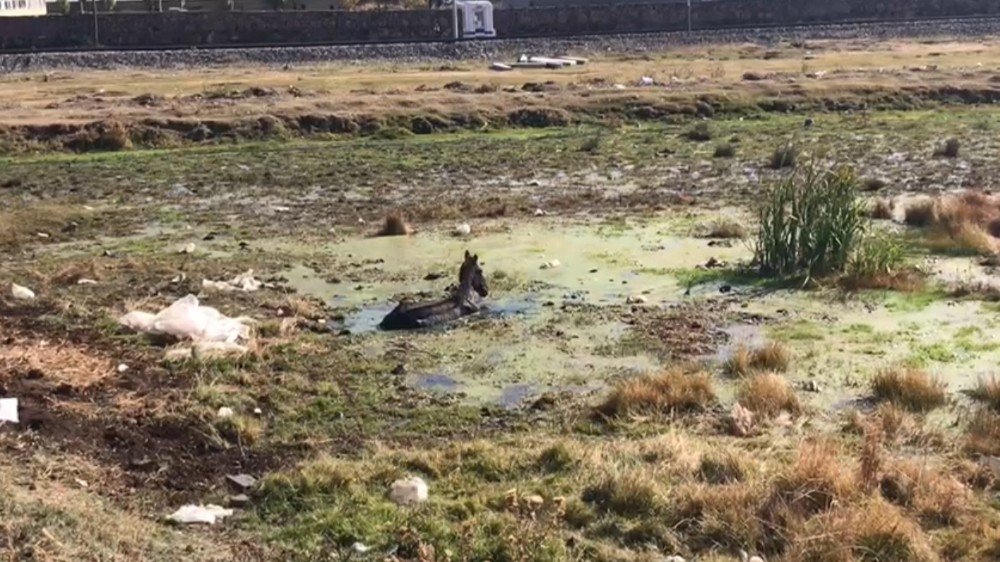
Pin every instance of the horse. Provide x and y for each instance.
(461, 302)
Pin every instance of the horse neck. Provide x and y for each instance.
(464, 290)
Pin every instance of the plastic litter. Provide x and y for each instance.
(408, 491)
(243, 282)
(189, 249)
(85, 281)
(646, 81)
(463, 229)
(636, 299)
(138, 320)
(500, 67)
(122, 367)
(225, 412)
(360, 548)
(8, 410)
(187, 319)
(19, 292)
(200, 514)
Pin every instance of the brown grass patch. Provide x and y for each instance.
(771, 356)
(723, 467)
(18, 225)
(394, 225)
(60, 364)
(726, 229)
(627, 493)
(920, 213)
(882, 209)
(870, 531)
(982, 433)
(767, 395)
(714, 515)
(987, 391)
(936, 496)
(961, 223)
(673, 391)
(817, 480)
(909, 388)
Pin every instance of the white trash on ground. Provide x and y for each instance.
(8, 410)
(408, 490)
(225, 412)
(19, 292)
(463, 229)
(551, 264)
(186, 319)
(245, 282)
(200, 514)
(360, 548)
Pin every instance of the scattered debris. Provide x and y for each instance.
(187, 319)
(8, 410)
(408, 490)
(207, 350)
(85, 281)
(636, 299)
(243, 282)
(541, 213)
(122, 367)
(22, 293)
(199, 514)
(501, 67)
(189, 249)
(242, 482)
(551, 264)
(647, 81)
(225, 412)
(812, 386)
(258, 412)
(463, 229)
(360, 548)
(674, 558)
(178, 354)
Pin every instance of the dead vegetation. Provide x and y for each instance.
(726, 229)
(987, 391)
(743, 361)
(395, 224)
(768, 395)
(41, 221)
(957, 223)
(909, 388)
(882, 209)
(672, 391)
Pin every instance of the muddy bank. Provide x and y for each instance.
(564, 107)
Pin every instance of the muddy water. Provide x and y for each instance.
(522, 344)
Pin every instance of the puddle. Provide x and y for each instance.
(367, 319)
(514, 395)
(440, 383)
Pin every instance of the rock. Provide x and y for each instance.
(241, 482)
(399, 369)
(225, 412)
(21, 293)
(812, 386)
(551, 264)
(408, 491)
(122, 367)
(636, 299)
(239, 500)
(463, 229)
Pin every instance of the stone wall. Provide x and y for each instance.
(340, 27)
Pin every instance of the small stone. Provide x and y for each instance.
(122, 367)
(21, 293)
(225, 412)
(258, 412)
(551, 264)
(239, 500)
(241, 481)
(636, 299)
(463, 229)
(408, 491)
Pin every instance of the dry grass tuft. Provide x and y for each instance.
(767, 395)
(982, 433)
(882, 209)
(726, 229)
(673, 391)
(394, 225)
(935, 495)
(817, 479)
(961, 223)
(723, 467)
(627, 493)
(870, 531)
(909, 388)
(771, 356)
(987, 391)
(949, 149)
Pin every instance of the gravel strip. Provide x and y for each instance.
(497, 49)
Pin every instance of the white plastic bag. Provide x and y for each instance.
(8, 410)
(22, 293)
(138, 320)
(200, 514)
(186, 319)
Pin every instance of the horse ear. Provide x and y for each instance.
(475, 258)
(467, 255)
